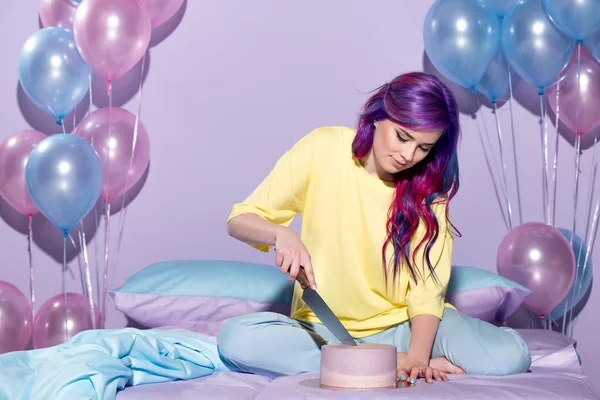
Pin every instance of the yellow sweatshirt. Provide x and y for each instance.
(344, 212)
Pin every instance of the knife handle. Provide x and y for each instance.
(302, 278)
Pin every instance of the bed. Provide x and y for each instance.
(180, 364)
(181, 306)
(555, 374)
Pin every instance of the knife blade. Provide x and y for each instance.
(322, 310)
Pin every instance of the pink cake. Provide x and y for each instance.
(361, 367)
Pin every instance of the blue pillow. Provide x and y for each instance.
(483, 294)
(205, 293)
(202, 292)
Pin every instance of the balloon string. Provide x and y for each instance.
(31, 274)
(555, 163)
(123, 213)
(81, 261)
(74, 120)
(559, 80)
(64, 283)
(103, 311)
(97, 254)
(90, 92)
(508, 206)
(544, 157)
(514, 142)
(88, 279)
(577, 143)
(592, 235)
(577, 161)
(588, 207)
(96, 249)
(497, 181)
(106, 246)
(547, 168)
(578, 282)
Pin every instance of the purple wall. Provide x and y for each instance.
(231, 88)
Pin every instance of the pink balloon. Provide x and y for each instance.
(14, 152)
(49, 324)
(540, 258)
(112, 35)
(162, 10)
(111, 131)
(589, 94)
(15, 319)
(58, 13)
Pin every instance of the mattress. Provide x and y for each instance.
(555, 374)
(218, 386)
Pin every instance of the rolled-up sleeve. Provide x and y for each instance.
(427, 295)
(280, 196)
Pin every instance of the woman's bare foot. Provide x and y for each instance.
(443, 365)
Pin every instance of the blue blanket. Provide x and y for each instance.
(96, 364)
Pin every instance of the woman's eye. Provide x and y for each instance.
(401, 138)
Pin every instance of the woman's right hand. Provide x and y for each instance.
(291, 254)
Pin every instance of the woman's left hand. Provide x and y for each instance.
(409, 371)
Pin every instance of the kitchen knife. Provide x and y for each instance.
(322, 310)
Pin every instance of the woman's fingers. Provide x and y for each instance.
(294, 267)
(414, 374)
(308, 270)
(403, 374)
(285, 263)
(429, 375)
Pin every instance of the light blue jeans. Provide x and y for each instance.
(273, 345)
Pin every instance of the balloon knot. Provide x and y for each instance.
(65, 234)
(542, 316)
(473, 90)
(60, 121)
(541, 92)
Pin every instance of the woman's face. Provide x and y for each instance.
(396, 148)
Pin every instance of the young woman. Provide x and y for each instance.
(376, 244)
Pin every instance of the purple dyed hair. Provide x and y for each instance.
(419, 102)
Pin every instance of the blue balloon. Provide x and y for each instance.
(495, 82)
(461, 37)
(577, 18)
(64, 179)
(500, 7)
(584, 278)
(52, 72)
(592, 43)
(535, 48)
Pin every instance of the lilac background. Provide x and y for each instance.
(230, 85)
